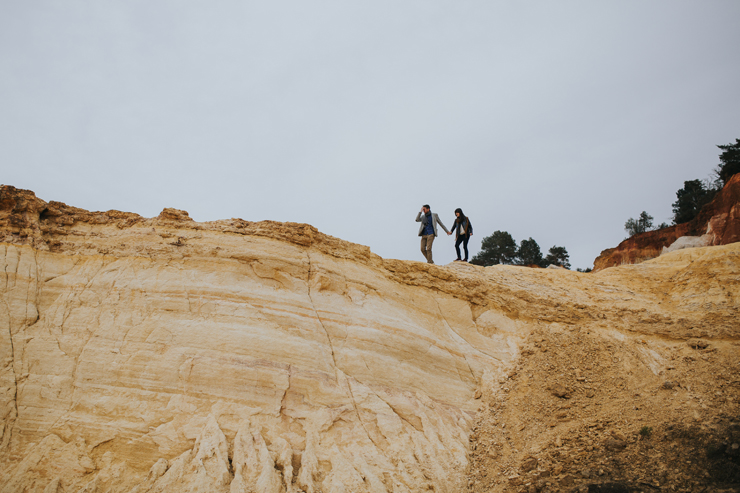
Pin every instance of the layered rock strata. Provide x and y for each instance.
(169, 355)
(718, 223)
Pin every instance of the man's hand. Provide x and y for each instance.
(448, 233)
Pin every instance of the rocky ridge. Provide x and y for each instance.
(164, 354)
(718, 223)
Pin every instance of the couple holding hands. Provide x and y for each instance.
(428, 231)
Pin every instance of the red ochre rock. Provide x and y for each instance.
(718, 223)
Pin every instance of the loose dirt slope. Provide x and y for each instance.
(648, 406)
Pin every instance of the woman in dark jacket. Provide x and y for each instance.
(463, 232)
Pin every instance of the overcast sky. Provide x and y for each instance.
(551, 120)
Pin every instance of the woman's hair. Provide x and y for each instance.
(462, 216)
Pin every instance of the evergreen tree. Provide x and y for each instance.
(729, 161)
(499, 248)
(640, 225)
(690, 199)
(558, 256)
(529, 253)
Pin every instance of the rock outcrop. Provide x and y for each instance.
(163, 354)
(718, 223)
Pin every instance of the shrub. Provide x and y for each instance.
(646, 431)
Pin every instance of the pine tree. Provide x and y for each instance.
(690, 199)
(640, 225)
(499, 248)
(558, 256)
(729, 161)
(529, 253)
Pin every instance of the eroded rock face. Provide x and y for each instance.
(718, 223)
(168, 355)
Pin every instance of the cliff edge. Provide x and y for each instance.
(166, 355)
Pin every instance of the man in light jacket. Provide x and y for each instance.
(428, 231)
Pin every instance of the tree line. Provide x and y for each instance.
(500, 248)
(694, 194)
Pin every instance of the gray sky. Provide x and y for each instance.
(551, 120)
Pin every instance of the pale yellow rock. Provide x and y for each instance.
(170, 355)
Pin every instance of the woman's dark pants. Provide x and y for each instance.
(464, 240)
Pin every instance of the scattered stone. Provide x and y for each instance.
(529, 464)
(615, 445)
(733, 450)
(668, 385)
(698, 344)
(170, 214)
(609, 488)
(618, 435)
(559, 391)
(567, 481)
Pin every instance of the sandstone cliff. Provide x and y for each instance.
(166, 355)
(718, 223)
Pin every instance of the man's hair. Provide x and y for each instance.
(426, 206)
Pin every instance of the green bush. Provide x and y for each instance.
(646, 431)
